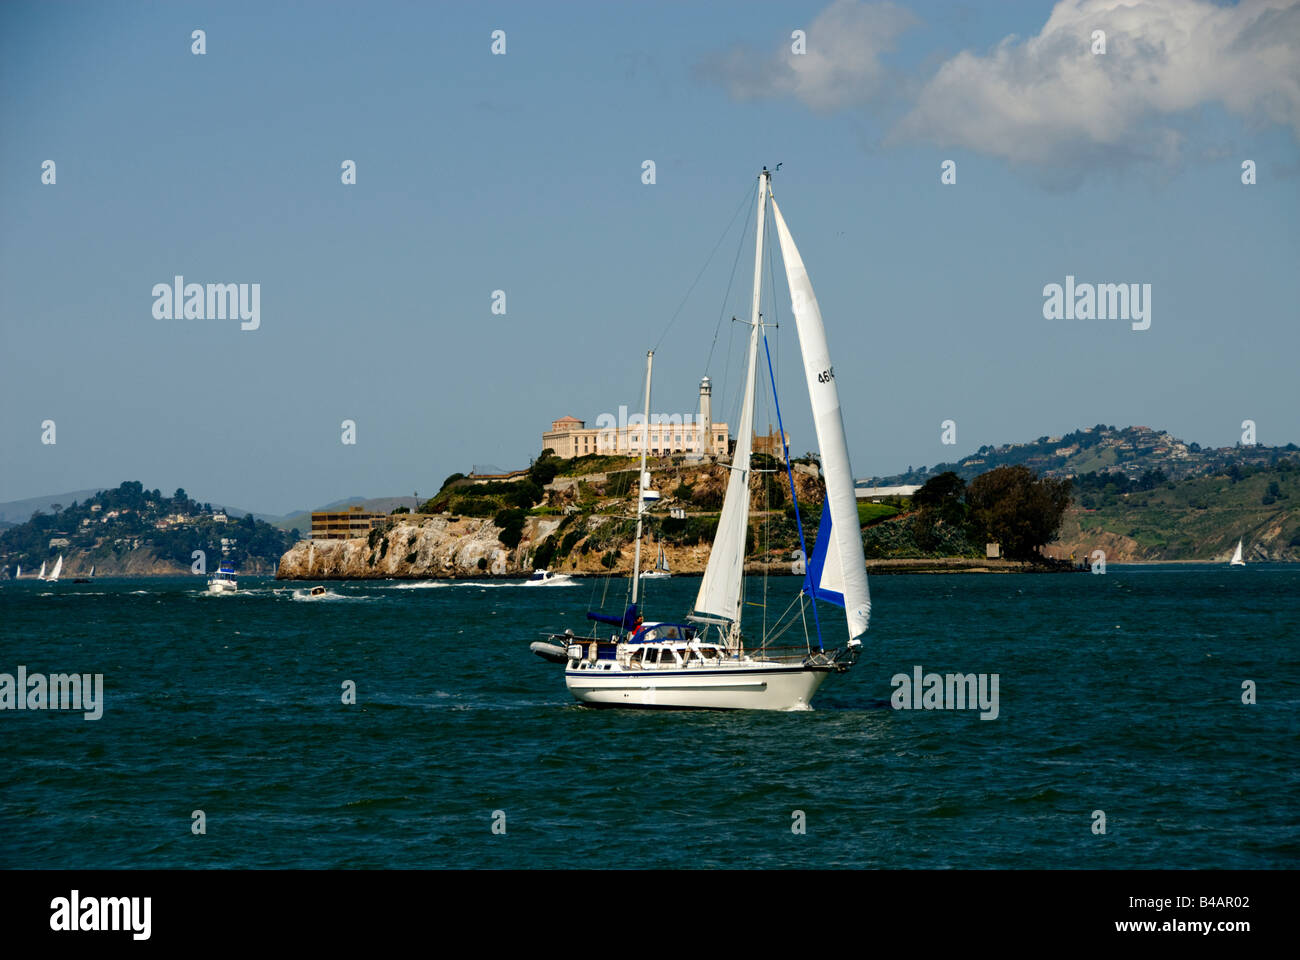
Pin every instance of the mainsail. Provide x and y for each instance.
(720, 590)
(839, 569)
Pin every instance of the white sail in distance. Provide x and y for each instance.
(845, 569)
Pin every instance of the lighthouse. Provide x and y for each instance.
(704, 436)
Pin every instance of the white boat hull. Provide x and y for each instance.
(222, 586)
(765, 687)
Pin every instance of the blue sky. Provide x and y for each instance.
(522, 172)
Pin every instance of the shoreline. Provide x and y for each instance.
(936, 565)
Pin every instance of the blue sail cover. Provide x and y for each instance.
(627, 622)
(818, 563)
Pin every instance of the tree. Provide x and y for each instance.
(545, 468)
(942, 497)
(1018, 509)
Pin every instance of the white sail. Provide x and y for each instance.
(58, 567)
(663, 559)
(20, 572)
(844, 572)
(40, 574)
(92, 569)
(1236, 556)
(720, 590)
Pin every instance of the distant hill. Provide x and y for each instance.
(1101, 449)
(14, 512)
(128, 530)
(20, 511)
(1196, 518)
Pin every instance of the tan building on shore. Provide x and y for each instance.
(666, 433)
(343, 524)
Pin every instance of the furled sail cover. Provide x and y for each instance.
(841, 577)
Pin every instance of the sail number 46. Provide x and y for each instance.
(826, 376)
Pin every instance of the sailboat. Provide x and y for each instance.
(660, 571)
(40, 574)
(89, 577)
(706, 659)
(1236, 560)
(58, 567)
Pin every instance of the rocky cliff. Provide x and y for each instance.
(431, 547)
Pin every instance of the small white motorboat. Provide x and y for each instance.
(224, 580)
(544, 578)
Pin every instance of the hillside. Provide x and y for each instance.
(569, 517)
(1130, 451)
(1197, 518)
(130, 531)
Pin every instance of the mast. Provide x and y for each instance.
(640, 477)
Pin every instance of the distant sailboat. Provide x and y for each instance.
(1236, 560)
(40, 574)
(661, 571)
(87, 578)
(58, 568)
(20, 572)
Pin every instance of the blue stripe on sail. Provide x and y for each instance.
(818, 561)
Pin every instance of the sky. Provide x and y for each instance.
(524, 172)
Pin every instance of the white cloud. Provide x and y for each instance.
(1049, 100)
(841, 65)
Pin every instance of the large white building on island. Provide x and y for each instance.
(627, 433)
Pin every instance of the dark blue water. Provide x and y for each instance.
(1120, 693)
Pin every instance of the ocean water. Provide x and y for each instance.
(1119, 693)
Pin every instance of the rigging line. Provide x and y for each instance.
(778, 630)
(794, 499)
(689, 290)
(730, 281)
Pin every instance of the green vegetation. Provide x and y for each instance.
(115, 522)
(868, 513)
(595, 463)
(511, 523)
(1017, 509)
(463, 496)
(1195, 519)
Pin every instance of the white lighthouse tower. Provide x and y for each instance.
(704, 430)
